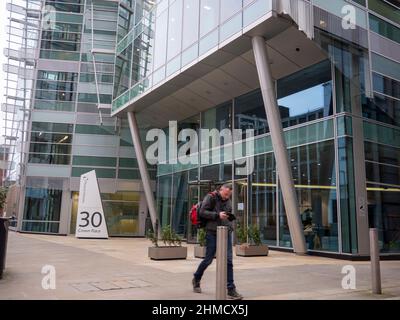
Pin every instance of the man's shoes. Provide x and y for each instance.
(196, 286)
(234, 295)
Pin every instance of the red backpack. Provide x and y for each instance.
(195, 211)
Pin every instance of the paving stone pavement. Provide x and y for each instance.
(119, 268)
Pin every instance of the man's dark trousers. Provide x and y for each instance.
(211, 248)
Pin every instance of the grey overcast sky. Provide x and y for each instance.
(3, 14)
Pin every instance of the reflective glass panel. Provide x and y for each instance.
(209, 16)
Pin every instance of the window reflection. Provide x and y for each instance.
(383, 213)
(302, 97)
(263, 197)
(160, 40)
(164, 199)
(180, 202)
(217, 118)
(313, 169)
(190, 31)
(174, 29)
(306, 95)
(123, 71)
(229, 8)
(42, 210)
(209, 16)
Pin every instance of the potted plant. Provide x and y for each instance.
(200, 249)
(250, 244)
(172, 245)
(241, 234)
(3, 198)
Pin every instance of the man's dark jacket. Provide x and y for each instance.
(211, 206)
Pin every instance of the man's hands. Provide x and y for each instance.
(223, 215)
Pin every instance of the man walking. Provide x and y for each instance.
(216, 210)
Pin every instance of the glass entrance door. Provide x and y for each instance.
(196, 192)
(240, 203)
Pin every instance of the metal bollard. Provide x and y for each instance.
(222, 262)
(375, 265)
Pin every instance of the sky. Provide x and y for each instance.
(2, 60)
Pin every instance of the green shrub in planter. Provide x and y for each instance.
(169, 237)
(241, 234)
(3, 197)
(250, 244)
(151, 235)
(172, 248)
(201, 237)
(254, 235)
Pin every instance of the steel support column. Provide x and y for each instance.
(267, 86)
(137, 144)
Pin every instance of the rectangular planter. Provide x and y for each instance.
(200, 252)
(167, 253)
(245, 250)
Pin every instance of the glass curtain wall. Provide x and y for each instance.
(121, 211)
(313, 170)
(302, 97)
(382, 154)
(42, 210)
(262, 205)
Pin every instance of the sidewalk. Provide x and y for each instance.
(118, 268)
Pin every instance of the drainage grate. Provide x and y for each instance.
(110, 285)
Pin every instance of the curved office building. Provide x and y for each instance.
(294, 102)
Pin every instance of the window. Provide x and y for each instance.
(385, 66)
(384, 28)
(313, 170)
(52, 127)
(49, 145)
(42, 210)
(100, 173)
(385, 85)
(190, 30)
(219, 118)
(347, 196)
(94, 161)
(229, 8)
(91, 129)
(250, 113)
(123, 65)
(383, 214)
(160, 40)
(383, 108)
(209, 16)
(180, 202)
(73, 6)
(164, 185)
(385, 9)
(303, 96)
(262, 207)
(306, 95)
(380, 153)
(174, 29)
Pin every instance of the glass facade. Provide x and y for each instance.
(71, 131)
(339, 113)
(121, 211)
(319, 107)
(169, 34)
